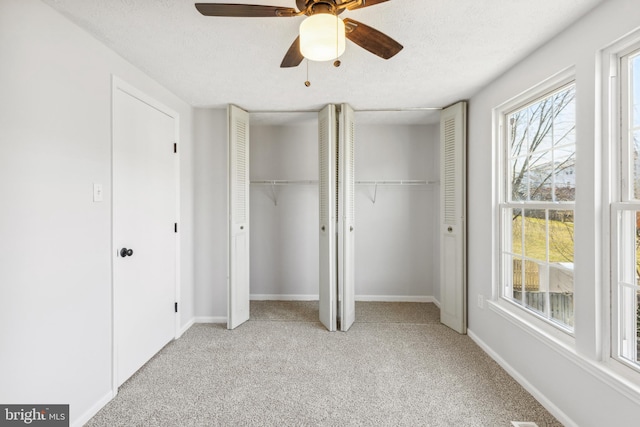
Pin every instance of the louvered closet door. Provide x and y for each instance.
(328, 205)
(238, 296)
(453, 310)
(346, 190)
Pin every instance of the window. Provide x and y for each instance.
(537, 205)
(625, 215)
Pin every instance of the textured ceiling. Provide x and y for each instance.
(451, 49)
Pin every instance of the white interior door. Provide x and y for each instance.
(327, 146)
(144, 238)
(453, 292)
(239, 267)
(346, 191)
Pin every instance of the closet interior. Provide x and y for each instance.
(397, 193)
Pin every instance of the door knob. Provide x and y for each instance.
(124, 252)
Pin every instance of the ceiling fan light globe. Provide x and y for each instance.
(322, 37)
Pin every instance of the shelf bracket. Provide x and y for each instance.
(273, 193)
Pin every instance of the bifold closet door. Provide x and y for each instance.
(238, 203)
(453, 143)
(327, 146)
(346, 191)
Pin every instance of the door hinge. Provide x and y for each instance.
(175, 147)
(176, 307)
(175, 227)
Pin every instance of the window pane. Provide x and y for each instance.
(517, 277)
(535, 286)
(535, 234)
(519, 179)
(564, 131)
(561, 236)
(561, 292)
(540, 176)
(540, 126)
(517, 133)
(564, 174)
(538, 243)
(515, 216)
(629, 326)
(636, 164)
(628, 244)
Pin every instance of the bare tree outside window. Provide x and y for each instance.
(541, 173)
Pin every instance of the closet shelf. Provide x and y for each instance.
(395, 182)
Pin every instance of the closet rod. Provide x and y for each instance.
(397, 182)
(364, 110)
(284, 182)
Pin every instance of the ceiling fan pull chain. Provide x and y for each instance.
(337, 62)
(307, 83)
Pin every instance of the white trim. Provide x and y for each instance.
(186, 327)
(363, 298)
(602, 371)
(93, 410)
(283, 297)
(614, 192)
(211, 319)
(118, 84)
(555, 83)
(537, 394)
(395, 298)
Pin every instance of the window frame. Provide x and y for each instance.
(502, 303)
(622, 199)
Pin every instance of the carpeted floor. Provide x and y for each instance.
(397, 366)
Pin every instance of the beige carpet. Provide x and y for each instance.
(397, 366)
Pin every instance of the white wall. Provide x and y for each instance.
(396, 253)
(284, 237)
(210, 176)
(55, 242)
(571, 379)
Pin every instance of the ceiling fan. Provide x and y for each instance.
(322, 33)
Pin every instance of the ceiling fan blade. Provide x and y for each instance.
(293, 57)
(243, 10)
(366, 3)
(371, 39)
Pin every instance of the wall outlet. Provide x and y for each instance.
(481, 301)
(97, 192)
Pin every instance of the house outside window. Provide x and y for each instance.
(537, 206)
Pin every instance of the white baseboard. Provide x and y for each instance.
(285, 297)
(84, 418)
(184, 328)
(394, 298)
(537, 394)
(368, 298)
(279, 297)
(210, 319)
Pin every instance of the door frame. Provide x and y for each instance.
(118, 84)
